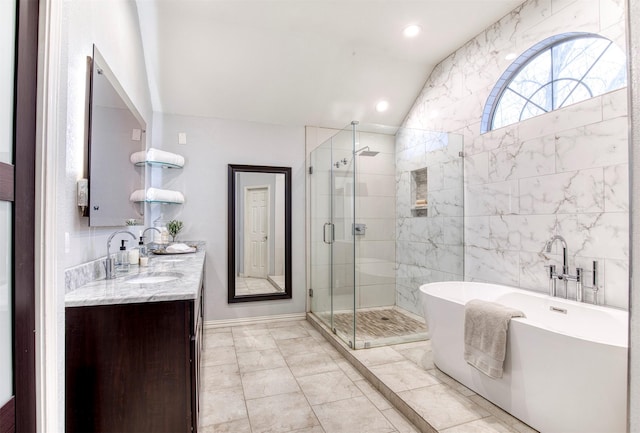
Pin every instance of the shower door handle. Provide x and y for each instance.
(324, 233)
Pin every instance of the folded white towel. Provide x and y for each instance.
(157, 155)
(156, 194)
(180, 248)
(485, 335)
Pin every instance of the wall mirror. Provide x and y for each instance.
(116, 130)
(259, 236)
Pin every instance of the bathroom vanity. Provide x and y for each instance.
(133, 349)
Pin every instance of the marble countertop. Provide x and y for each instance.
(121, 290)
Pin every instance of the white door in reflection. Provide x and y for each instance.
(257, 231)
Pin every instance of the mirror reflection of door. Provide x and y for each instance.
(259, 242)
(256, 229)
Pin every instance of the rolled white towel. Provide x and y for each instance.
(156, 194)
(157, 155)
(139, 157)
(138, 195)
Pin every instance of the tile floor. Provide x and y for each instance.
(285, 377)
(255, 286)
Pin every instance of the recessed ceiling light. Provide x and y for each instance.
(510, 56)
(382, 106)
(411, 31)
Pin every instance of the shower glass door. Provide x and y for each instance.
(332, 240)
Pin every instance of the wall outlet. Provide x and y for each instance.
(182, 138)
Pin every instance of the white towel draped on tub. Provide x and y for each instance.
(485, 335)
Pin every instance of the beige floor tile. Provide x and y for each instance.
(378, 355)
(451, 382)
(287, 333)
(281, 413)
(260, 360)
(314, 429)
(250, 343)
(220, 339)
(485, 425)
(373, 394)
(218, 356)
(224, 329)
(293, 346)
(356, 415)
(219, 376)
(419, 353)
(221, 406)
(503, 416)
(302, 323)
(348, 369)
(265, 383)
(236, 426)
(306, 364)
(403, 375)
(442, 407)
(326, 387)
(250, 330)
(401, 424)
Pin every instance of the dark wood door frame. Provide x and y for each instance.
(25, 96)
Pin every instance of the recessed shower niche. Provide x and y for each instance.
(419, 188)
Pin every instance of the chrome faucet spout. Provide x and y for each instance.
(549, 244)
(150, 228)
(108, 264)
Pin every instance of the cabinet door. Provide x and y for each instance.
(128, 368)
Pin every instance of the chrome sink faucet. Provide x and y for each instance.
(144, 247)
(109, 265)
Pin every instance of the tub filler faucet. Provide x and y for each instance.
(564, 276)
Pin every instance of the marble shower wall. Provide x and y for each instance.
(563, 173)
(429, 242)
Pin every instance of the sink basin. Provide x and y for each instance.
(153, 278)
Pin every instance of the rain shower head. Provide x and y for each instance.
(365, 151)
(368, 153)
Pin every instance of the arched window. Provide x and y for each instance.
(554, 73)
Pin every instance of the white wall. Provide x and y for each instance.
(87, 23)
(82, 24)
(562, 173)
(212, 144)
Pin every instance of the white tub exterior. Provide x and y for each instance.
(563, 372)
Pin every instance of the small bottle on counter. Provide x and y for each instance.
(143, 258)
(122, 258)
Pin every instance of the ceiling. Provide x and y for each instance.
(301, 62)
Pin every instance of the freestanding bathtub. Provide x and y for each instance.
(566, 362)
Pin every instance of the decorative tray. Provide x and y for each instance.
(163, 251)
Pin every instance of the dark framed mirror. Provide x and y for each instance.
(259, 233)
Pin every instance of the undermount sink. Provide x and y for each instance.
(154, 278)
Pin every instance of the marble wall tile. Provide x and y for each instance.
(573, 116)
(616, 283)
(453, 230)
(597, 145)
(492, 265)
(492, 199)
(593, 234)
(446, 202)
(616, 188)
(524, 159)
(614, 104)
(562, 173)
(476, 168)
(429, 230)
(476, 231)
(577, 191)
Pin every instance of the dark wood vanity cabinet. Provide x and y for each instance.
(133, 367)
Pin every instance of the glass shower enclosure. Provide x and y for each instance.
(385, 217)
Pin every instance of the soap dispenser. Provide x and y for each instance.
(122, 258)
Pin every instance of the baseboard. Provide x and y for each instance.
(212, 324)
